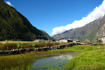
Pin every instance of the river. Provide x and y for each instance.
(53, 60)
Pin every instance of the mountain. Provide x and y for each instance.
(14, 26)
(91, 31)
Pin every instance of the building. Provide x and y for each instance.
(65, 40)
(103, 39)
(76, 40)
(39, 40)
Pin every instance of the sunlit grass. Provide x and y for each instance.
(91, 58)
(16, 62)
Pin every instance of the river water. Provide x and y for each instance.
(54, 60)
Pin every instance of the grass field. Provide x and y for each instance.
(91, 58)
(17, 62)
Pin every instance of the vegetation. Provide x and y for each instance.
(17, 62)
(99, 42)
(14, 26)
(10, 46)
(91, 58)
(24, 61)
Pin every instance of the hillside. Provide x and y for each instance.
(14, 26)
(91, 31)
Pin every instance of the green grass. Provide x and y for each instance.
(91, 58)
(79, 48)
(17, 62)
(82, 48)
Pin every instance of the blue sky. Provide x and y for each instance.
(48, 15)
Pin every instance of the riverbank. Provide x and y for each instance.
(22, 61)
(91, 58)
(17, 62)
(22, 47)
(7, 48)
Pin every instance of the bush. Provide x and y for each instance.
(8, 46)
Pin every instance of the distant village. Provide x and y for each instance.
(69, 40)
(60, 40)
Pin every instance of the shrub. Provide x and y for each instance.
(8, 46)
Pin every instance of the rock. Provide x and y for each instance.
(100, 47)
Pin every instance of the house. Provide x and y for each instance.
(65, 40)
(76, 40)
(87, 41)
(103, 39)
(39, 40)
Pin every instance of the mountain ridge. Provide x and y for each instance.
(14, 26)
(90, 31)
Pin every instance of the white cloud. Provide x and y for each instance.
(9, 3)
(98, 12)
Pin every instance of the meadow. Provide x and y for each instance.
(90, 58)
(17, 62)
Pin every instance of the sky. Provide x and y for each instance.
(57, 16)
